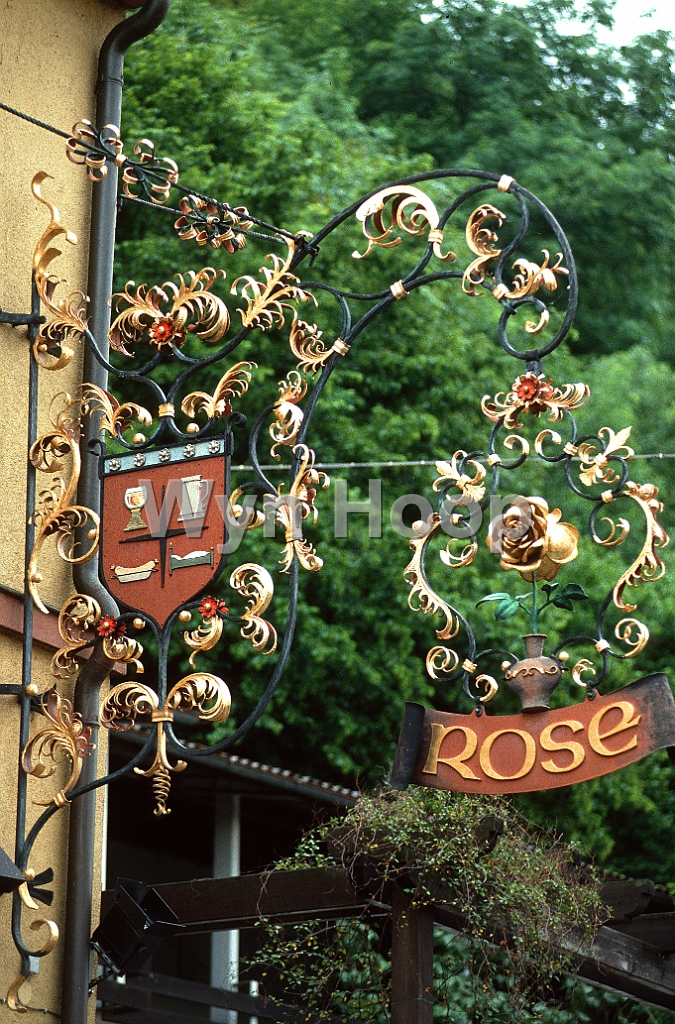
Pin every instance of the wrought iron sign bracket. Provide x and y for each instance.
(171, 502)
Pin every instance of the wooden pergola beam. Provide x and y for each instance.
(619, 958)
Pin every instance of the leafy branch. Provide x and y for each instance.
(506, 605)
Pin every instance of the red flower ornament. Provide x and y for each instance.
(163, 333)
(211, 606)
(109, 626)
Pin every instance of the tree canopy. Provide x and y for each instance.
(297, 109)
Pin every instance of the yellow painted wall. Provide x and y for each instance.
(48, 60)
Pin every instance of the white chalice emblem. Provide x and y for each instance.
(135, 499)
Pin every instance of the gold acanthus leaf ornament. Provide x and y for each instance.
(204, 637)
(67, 323)
(307, 347)
(648, 566)
(114, 418)
(530, 277)
(13, 992)
(254, 583)
(233, 384)
(292, 509)
(286, 412)
(193, 308)
(78, 615)
(412, 212)
(266, 302)
(471, 487)
(124, 649)
(65, 736)
(595, 467)
(423, 598)
(130, 700)
(533, 395)
(479, 239)
(54, 515)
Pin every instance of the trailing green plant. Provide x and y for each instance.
(524, 908)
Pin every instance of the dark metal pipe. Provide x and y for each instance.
(81, 843)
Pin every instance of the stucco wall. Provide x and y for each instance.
(48, 60)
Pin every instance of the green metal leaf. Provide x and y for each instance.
(574, 592)
(505, 609)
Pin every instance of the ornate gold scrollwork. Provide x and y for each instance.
(307, 347)
(129, 700)
(51, 349)
(132, 177)
(193, 308)
(54, 515)
(648, 566)
(287, 414)
(473, 487)
(64, 736)
(423, 598)
(254, 583)
(412, 212)
(217, 224)
(443, 660)
(613, 541)
(84, 132)
(204, 637)
(124, 649)
(292, 509)
(13, 993)
(265, 303)
(623, 631)
(255, 517)
(595, 468)
(233, 384)
(582, 667)
(530, 277)
(489, 684)
(479, 240)
(113, 417)
(532, 394)
(78, 615)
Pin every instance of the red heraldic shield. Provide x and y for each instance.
(162, 527)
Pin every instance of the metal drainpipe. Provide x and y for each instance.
(81, 842)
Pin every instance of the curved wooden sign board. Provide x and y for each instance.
(544, 750)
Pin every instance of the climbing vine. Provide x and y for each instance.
(521, 897)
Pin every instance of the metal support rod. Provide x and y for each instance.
(81, 851)
(76, 974)
(412, 961)
(27, 640)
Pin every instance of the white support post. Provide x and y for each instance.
(226, 864)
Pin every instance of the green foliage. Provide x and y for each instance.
(295, 111)
(524, 906)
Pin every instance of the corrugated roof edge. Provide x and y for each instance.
(280, 777)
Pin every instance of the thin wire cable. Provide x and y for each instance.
(425, 462)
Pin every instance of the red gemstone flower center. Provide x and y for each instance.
(211, 606)
(162, 331)
(109, 626)
(530, 388)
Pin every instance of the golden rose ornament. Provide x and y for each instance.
(532, 540)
